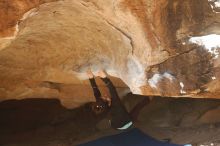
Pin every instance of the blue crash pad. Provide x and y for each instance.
(133, 137)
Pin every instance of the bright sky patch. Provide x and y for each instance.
(210, 42)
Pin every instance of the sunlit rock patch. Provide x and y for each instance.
(153, 81)
(215, 5)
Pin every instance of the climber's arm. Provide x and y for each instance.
(108, 83)
(111, 88)
(95, 88)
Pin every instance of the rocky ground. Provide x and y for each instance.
(46, 122)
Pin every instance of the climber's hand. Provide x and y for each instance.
(90, 74)
(101, 74)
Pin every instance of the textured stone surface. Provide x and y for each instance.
(46, 122)
(45, 51)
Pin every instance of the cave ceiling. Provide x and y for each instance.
(162, 48)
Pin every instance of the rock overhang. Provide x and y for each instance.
(144, 43)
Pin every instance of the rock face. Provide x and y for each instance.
(154, 47)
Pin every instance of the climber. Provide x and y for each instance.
(102, 103)
(119, 118)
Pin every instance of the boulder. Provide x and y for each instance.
(165, 47)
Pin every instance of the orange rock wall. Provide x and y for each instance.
(145, 43)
